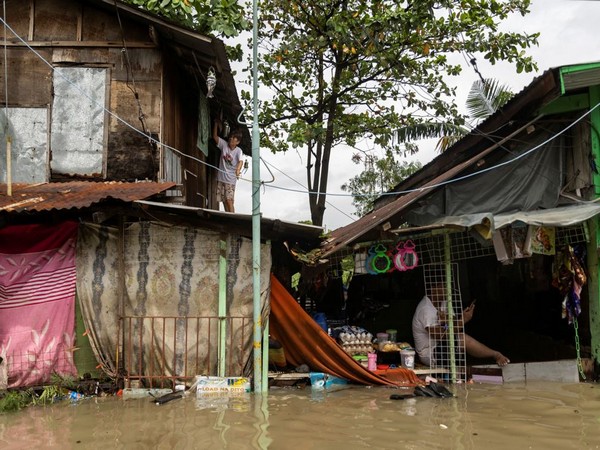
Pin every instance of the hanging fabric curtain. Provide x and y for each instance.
(37, 302)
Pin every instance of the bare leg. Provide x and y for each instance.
(229, 206)
(479, 350)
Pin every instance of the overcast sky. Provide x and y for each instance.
(569, 34)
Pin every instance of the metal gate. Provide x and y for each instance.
(164, 351)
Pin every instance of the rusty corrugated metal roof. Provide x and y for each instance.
(74, 194)
(543, 89)
(462, 155)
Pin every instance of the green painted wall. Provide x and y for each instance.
(593, 287)
(85, 360)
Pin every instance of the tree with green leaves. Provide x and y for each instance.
(345, 70)
(224, 18)
(380, 175)
(485, 97)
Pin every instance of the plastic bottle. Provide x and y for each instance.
(372, 365)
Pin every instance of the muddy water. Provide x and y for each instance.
(481, 416)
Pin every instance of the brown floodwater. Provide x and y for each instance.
(532, 415)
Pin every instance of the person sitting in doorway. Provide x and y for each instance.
(430, 328)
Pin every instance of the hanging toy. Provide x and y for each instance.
(406, 258)
(211, 82)
(368, 259)
(380, 261)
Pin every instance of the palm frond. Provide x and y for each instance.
(445, 142)
(486, 97)
(428, 130)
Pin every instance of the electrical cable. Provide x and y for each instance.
(300, 184)
(429, 187)
(464, 177)
(5, 71)
(141, 115)
(109, 112)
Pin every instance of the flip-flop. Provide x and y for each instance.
(167, 398)
(401, 396)
(441, 391)
(424, 391)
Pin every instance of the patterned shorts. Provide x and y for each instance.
(225, 191)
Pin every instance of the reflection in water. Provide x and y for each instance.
(261, 414)
(516, 416)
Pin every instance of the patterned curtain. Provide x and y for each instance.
(169, 286)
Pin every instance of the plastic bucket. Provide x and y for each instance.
(407, 358)
(393, 333)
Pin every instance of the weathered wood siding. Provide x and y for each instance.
(67, 33)
(181, 106)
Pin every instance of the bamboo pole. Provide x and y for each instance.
(222, 349)
(8, 166)
(450, 307)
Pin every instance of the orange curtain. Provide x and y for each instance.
(305, 342)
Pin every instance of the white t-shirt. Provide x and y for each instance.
(425, 316)
(228, 162)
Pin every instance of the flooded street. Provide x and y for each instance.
(536, 415)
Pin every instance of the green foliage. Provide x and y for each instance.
(64, 381)
(221, 17)
(15, 400)
(484, 99)
(347, 70)
(50, 394)
(380, 175)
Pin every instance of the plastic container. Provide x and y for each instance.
(407, 358)
(362, 360)
(382, 337)
(392, 333)
(145, 392)
(321, 319)
(372, 361)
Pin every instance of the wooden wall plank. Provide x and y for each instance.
(29, 79)
(17, 17)
(56, 20)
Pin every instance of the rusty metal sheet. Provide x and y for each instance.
(77, 136)
(74, 195)
(28, 130)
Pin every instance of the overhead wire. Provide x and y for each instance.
(7, 136)
(472, 61)
(300, 184)
(5, 71)
(103, 107)
(273, 186)
(470, 175)
(141, 115)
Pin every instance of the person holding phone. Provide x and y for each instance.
(430, 327)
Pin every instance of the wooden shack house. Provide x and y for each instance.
(102, 91)
(107, 194)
